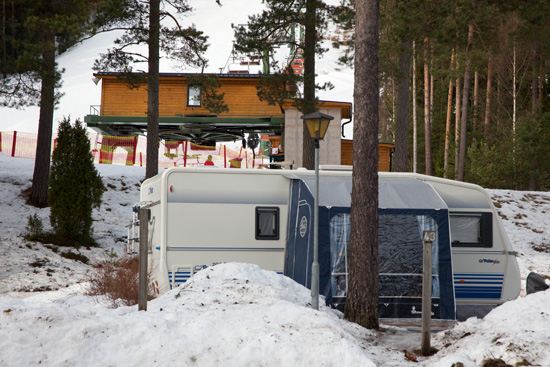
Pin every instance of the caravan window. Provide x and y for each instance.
(267, 223)
(472, 230)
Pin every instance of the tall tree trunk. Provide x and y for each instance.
(448, 120)
(427, 113)
(499, 99)
(476, 99)
(432, 87)
(41, 175)
(308, 147)
(415, 120)
(514, 99)
(534, 181)
(541, 78)
(362, 299)
(402, 121)
(4, 49)
(486, 121)
(153, 91)
(465, 97)
(535, 85)
(458, 109)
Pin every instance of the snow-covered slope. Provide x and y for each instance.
(214, 20)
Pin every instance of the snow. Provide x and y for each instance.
(215, 21)
(230, 314)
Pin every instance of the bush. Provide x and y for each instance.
(74, 256)
(34, 230)
(117, 282)
(75, 186)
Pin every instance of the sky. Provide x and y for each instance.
(215, 21)
(231, 314)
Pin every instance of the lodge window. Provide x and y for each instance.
(267, 223)
(194, 95)
(472, 229)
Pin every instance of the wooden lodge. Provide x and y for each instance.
(183, 116)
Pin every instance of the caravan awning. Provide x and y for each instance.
(393, 193)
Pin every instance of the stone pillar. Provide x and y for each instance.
(330, 147)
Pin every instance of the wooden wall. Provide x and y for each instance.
(117, 99)
(384, 155)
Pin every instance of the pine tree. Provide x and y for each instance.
(276, 26)
(362, 298)
(143, 24)
(75, 186)
(34, 32)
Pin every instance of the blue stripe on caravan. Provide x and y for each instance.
(484, 288)
(180, 277)
(478, 285)
(478, 292)
(476, 278)
(478, 275)
(476, 295)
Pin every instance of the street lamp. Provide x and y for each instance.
(317, 125)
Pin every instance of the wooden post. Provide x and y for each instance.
(143, 216)
(13, 144)
(185, 155)
(428, 239)
(135, 151)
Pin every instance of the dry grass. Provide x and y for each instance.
(117, 282)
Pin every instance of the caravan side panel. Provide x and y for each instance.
(153, 196)
(212, 218)
(486, 273)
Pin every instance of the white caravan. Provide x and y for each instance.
(203, 216)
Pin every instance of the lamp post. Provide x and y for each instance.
(317, 125)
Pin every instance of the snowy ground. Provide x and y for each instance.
(230, 314)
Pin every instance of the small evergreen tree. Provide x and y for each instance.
(75, 186)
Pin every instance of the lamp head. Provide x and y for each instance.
(317, 124)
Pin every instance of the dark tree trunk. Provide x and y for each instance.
(488, 97)
(465, 97)
(534, 181)
(4, 49)
(308, 148)
(402, 123)
(39, 190)
(458, 95)
(535, 85)
(362, 298)
(448, 122)
(153, 91)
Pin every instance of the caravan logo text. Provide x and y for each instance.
(489, 261)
